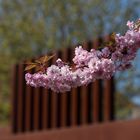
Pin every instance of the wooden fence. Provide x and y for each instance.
(38, 109)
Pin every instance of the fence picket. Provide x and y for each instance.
(28, 108)
(20, 97)
(54, 101)
(108, 95)
(44, 108)
(36, 109)
(84, 98)
(14, 82)
(97, 91)
(73, 92)
(64, 104)
(108, 100)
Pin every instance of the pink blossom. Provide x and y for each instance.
(130, 24)
(90, 65)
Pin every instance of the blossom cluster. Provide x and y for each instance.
(90, 65)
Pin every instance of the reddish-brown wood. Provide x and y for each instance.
(109, 100)
(96, 109)
(84, 105)
(96, 92)
(63, 96)
(20, 98)
(44, 108)
(63, 109)
(36, 103)
(28, 108)
(5, 131)
(84, 95)
(123, 130)
(14, 98)
(54, 101)
(74, 107)
(36, 109)
(54, 110)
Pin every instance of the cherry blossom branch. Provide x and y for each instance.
(90, 65)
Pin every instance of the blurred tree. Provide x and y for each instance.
(123, 106)
(33, 27)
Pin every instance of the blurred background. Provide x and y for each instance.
(30, 28)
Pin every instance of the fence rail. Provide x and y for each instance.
(39, 109)
(125, 130)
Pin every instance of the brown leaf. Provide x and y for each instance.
(29, 67)
(30, 63)
(38, 68)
